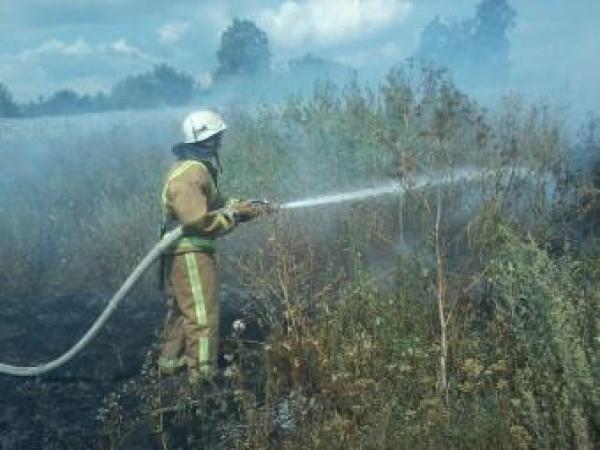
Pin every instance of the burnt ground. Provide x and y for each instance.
(62, 409)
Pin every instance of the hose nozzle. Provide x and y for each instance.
(264, 206)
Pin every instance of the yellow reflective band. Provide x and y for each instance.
(171, 363)
(204, 353)
(195, 243)
(231, 201)
(223, 221)
(192, 267)
(175, 173)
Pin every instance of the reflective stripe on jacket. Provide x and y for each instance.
(191, 198)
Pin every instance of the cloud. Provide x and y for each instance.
(329, 22)
(124, 48)
(172, 32)
(58, 48)
(81, 48)
(78, 64)
(214, 18)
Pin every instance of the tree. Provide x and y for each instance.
(493, 20)
(64, 102)
(440, 42)
(8, 108)
(477, 48)
(495, 17)
(244, 50)
(161, 86)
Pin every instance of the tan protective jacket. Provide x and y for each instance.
(191, 198)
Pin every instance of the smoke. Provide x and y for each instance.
(544, 52)
(172, 32)
(554, 53)
(297, 23)
(550, 53)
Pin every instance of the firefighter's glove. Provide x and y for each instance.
(244, 211)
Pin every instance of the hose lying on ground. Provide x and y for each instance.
(41, 369)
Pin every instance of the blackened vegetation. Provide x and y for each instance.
(60, 410)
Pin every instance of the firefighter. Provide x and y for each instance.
(191, 198)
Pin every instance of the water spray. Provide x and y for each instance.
(392, 188)
(465, 175)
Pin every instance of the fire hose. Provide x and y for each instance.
(167, 240)
(130, 282)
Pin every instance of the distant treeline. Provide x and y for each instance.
(476, 49)
(244, 52)
(163, 85)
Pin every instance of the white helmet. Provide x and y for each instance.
(201, 125)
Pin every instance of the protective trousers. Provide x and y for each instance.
(192, 325)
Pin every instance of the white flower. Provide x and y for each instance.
(239, 326)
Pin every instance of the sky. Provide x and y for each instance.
(88, 45)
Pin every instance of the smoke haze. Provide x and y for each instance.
(553, 51)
